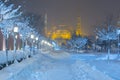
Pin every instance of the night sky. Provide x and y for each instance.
(92, 12)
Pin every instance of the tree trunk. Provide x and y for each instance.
(109, 47)
(6, 49)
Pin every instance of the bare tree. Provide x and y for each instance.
(107, 33)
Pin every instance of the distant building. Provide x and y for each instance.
(62, 32)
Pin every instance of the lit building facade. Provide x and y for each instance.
(62, 32)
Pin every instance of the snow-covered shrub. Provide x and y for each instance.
(77, 43)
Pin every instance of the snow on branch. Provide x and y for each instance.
(107, 34)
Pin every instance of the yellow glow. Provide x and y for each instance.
(64, 34)
(78, 32)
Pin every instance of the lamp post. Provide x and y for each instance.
(36, 41)
(23, 46)
(109, 46)
(21, 37)
(96, 42)
(118, 33)
(32, 37)
(15, 30)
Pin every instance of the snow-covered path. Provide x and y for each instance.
(65, 69)
(54, 67)
(52, 70)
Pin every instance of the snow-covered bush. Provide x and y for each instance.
(77, 43)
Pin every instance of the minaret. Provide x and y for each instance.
(78, 28)
(45, 23)
(118, 22)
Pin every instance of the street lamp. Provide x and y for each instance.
(16, 36)
(36, 42)
(96, 42)
(118, 33)
(15, 30)
(32, 37)
(22, 37)
(36, 38)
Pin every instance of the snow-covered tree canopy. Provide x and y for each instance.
(24, 28)
(107, 34)
(80, 42)
(36, 21)
(8, 16)
(77, 42)
(9, 12)
(11, 16)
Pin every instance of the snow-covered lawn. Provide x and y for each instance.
(99, 61)
(53, 65)
(12, 55)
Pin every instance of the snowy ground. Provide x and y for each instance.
(54, 65)
(100, 62)
(12, 55)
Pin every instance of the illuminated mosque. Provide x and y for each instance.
(61, 33)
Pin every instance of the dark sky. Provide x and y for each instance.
(92, 12)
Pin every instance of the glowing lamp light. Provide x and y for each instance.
(15, 29)
(36, 38)
(21, 35)
(33, 41)
(16, 36)
(32, 36)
